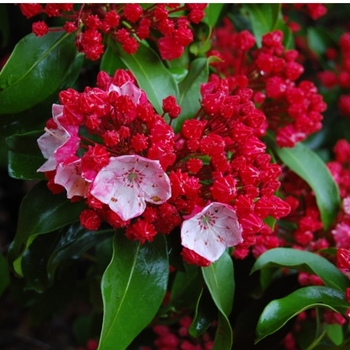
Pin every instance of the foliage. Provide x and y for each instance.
(239, 116)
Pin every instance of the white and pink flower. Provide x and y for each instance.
(128, 182)
(211, 230)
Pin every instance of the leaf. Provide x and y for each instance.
(110, 61)
(185, 287)
(205, 313)
(133, 287)
(24, 156)
(335, 333)
(302, 260)
(41, 212)
(319, 40)
(309, 166)
(150, 73)
(26, 82)
(219, 279)
(263, 17)
(278, 312)
(212, 13)
(34, 261)
(266, 18)
(190, 96)
(4, 273)
(73, 243)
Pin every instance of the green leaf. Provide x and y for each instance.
(302, 260)
(219, 279)
(73, 243)
(309, 166)
(278, 312)
(190, 96)
(133, 287)
(205, 313)
(212, 13)
(185, 287)
(110, 61)
(266, 18)
(34, 261)
(26, 82)
(335, 333)
(24, 156)
(41, 212)
(150, 73)
(4, 273)
(319, 40)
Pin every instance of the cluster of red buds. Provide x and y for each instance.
(126, 24)
(339, 75)
(108, 146)
(293, 109)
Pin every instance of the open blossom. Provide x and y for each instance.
(128, 182)
(59, 141)
(211, 231)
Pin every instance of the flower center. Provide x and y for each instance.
(207, 220)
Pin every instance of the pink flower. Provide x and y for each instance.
(69, 176)
(210, 231)
(58, 143)
(128, 182)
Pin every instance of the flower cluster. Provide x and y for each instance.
(169, 338)
(339, 75)
(293, 109)
(109, 147)
(126, 24)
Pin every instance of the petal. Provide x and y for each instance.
(132, 91)
(69, 176)
(210, 240)
(155, 185)
(127, 203)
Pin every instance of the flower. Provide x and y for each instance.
(59, 141)
(210, 231)
(128, 182)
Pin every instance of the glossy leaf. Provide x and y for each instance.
(73, 243)
(150, 73)
(26, 82)
(184, 290)
(309, 166)
(212, 13)
(190, 97)
(24, 156)
(219, 279)
(264, 18)
(302, 260)
(133, 287)
(42, 212)
(4, 273)
(205, 313)
(110, 61)
(35, 258)
(319, 40)
(335, 333)
(278, 312)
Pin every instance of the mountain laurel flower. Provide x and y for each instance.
(210, 231)
(128, 182)
(59, 142)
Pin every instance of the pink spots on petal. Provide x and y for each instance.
(210, 231)
(127, 183)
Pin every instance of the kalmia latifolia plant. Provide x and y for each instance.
(189, 168)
